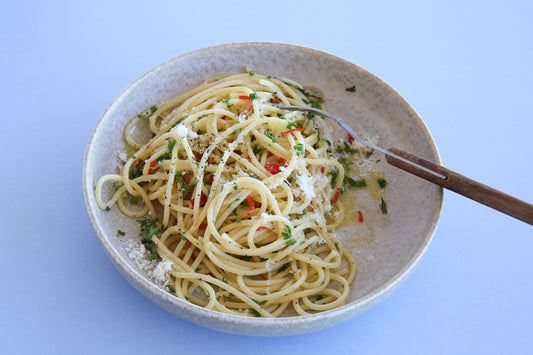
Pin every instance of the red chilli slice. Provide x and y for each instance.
(290, 131)
(251, 204)
(203, 200)
(273, 168)
(337, 193)
(247, 109)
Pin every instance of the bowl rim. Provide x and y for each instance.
(254, 325)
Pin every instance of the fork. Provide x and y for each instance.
(438, 174)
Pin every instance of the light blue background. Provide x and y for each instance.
(465, 66)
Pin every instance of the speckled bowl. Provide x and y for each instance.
(386, 247)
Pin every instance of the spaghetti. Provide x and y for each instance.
(240, 197)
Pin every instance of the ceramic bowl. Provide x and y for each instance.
(386, 247)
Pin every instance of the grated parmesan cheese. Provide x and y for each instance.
(158, 272)
(123, 156)
(184, 131)
(306, 185)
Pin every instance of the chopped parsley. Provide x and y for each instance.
(300, 148)
(287, 234)
(260, 302)
(292, 125)
(284, 267)
(267, 133)
(121, 233)
(305, 93)
(153, 109)
(153, 256)
(316, 102)
(257, 150)
(252, 96)
(355, 183)
(382, 182)
(255, 312)
(290, 242)
(383, 206)
(171, 145)
(351, 89)
(226, 101)
(162, 157)
(334, 174)
(205, 115)
(346, 149)
(149, 227)
(135, 173)
(345, 163)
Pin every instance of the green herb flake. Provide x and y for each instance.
(345, 148)
(162, 157)
(288, 233)
(345, 163)
(383, 206)
(153, 109)
(351, 89)
(292, 125)
(300, 148)
(252, 96)
(382, 182)
(153, 256)
(134, 200)
(141, 116)
(171, 145)
(305, 93)
(257, 150)
(149, 226)
(121, 233)
(355, 183)
(290, 242)
(261, 303)
(255, 312)
(334, 174)
(226, 101)
(267, 133)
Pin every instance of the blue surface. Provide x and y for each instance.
(464, 66)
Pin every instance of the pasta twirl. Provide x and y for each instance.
(239, 196)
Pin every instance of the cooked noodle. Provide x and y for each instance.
(238, 197)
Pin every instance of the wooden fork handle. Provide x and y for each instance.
(460, 184)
